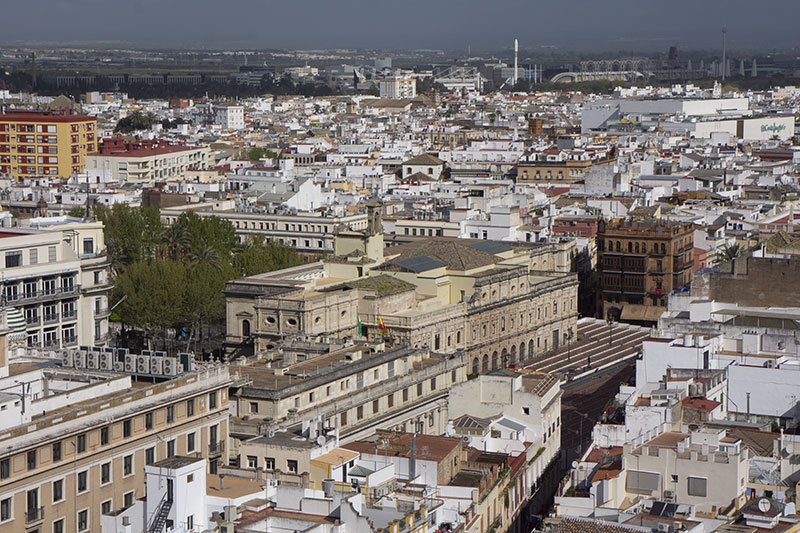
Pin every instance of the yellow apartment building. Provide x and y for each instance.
(45, 143)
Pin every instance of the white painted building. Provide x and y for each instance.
(398, 87)
(229, 117)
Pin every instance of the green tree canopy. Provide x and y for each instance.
(151, 294)
(77, 212)
(208, 232)
(728, 253)
(134, 122)
(175, 276)
(259, 255)
(132, 234)
(255, 153)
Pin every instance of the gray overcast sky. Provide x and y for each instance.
(453, 24)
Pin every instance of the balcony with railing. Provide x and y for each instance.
(69, 340)
(216, 448)
(43, 295)
(69, 315)
(51, 318)
(34, 515)
(33, 320)
(632, 289)
(683, 249)
(50, 342)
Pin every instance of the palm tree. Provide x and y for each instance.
(205, 254)
(728, 254)
(175, 242)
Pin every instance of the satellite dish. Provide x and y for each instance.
(321, 440)
(466, 439)
(764, 505)
(574, 464)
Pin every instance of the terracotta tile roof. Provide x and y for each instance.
(585, 525)
(598, 454)
(424, 159)
(670, 439)
(429, 447)
(39, 116)
(455, 253)
(702, 404)
(760, 442)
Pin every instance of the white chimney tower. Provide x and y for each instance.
(516, 57)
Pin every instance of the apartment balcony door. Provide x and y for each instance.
(33, 501)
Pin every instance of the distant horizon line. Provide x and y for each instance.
(136, 47)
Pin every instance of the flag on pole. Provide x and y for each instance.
(360, 331)
(380, 323)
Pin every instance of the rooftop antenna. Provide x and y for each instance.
(724, 51)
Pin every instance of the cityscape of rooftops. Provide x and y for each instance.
(419, 267)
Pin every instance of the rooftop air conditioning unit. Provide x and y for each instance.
(119, 366)
(143, 364)
(106, 361)
(171, 366)
(130, 363)
(156, 365)
(80, 359)
(669, 496)
(67, 360)
(92, 360)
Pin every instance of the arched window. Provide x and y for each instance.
(475, 367)
(513, 355)
(522, 351)
(530, 348)
(485, 365)
(245, 328)
(505, 358)
(494, 361)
